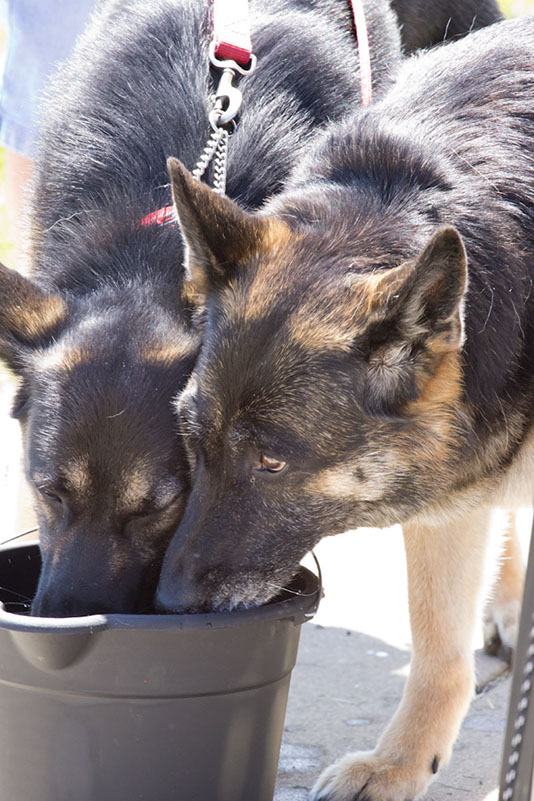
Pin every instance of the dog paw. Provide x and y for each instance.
(367, 777)
(501, 624)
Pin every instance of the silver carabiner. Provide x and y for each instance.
(228, 99)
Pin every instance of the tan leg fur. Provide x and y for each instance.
(501, 619)
(445, 574)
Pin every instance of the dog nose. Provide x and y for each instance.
(179, 600)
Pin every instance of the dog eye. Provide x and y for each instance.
(271, 464)
(48, 493)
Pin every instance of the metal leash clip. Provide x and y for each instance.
(227, 102)
(228, 98)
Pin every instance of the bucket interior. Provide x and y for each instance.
(19, 575)
(20, 567)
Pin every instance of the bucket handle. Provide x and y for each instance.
(18, 536)
(320, 591)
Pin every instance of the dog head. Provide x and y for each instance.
(326, 394)
(97, 376)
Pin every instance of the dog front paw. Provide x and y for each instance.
(366, 777)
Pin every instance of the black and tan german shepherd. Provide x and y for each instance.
(367, 360)
(101, 337)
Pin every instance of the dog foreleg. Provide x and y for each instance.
(501, 619)
(445, 572)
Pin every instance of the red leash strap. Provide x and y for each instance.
(232, 31)
(362, 36)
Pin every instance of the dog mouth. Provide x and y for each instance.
(233, 597)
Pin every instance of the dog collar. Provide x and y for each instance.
(160, 217)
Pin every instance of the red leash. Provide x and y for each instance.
(362, 37)
(231, 31)
(232, 42)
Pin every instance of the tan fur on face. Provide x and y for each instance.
(63, 357)
(342, 481)
(135, 486)
(328, 331)
(38, 321)
(78, 476)
(168, 352)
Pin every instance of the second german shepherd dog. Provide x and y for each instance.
(367, 360)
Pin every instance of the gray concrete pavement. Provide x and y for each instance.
(352, 665)
(345, 689)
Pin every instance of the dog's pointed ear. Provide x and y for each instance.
(28, 317)
(416, 317)
(218, 234)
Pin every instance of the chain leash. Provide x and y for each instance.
(216, 150)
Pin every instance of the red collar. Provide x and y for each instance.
(160, 217)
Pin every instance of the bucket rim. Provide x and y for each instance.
(299, 608)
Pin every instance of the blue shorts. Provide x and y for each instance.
(41, 33)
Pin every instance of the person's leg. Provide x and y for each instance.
(40, 35)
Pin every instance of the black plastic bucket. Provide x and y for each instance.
(142, 707)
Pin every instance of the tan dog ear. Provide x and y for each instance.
(218, 234)
(415, 317)
(28, 315)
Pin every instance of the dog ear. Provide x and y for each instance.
(217, 233)
(416, 317)
(28, 316)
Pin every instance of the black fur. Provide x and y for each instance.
(426, 22)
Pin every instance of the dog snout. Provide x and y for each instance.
(180, 595)
(70, 606)
(76, 582)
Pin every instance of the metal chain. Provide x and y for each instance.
(220, 163)
(208, 153)
(217, 151)
(519, 724)
(227, 102)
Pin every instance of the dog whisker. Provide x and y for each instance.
(16, 594)
(111, 416)
(289, 590)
